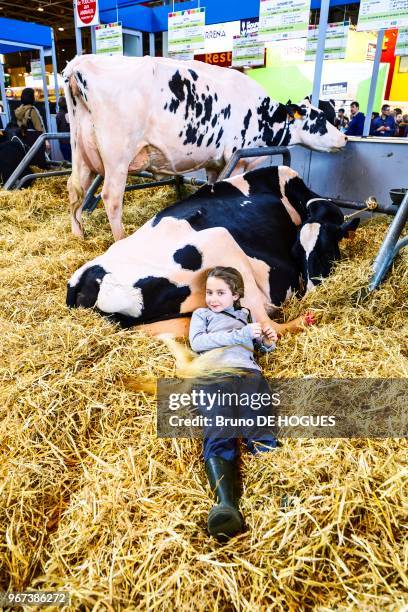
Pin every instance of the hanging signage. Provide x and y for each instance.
(182, 55)
(109, 39)
(36, 71)
(87, 13)
(186, 31)
(223, 59)
(382, 14)
(335, 43)
(249, 26)
(248, 51)
(281, 19)
(334, 89)
(401, 47)
(219, 36)
(371, 47)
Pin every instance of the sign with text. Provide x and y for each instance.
(109, 39)
(281, 19)
(217, 59)
(382, 14)
(249, 26)
(248, 51)
(219, 36)
(186, 31)
(401, 47)
(36, 71)
(335, 44)
(87, 13)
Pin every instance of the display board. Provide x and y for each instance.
(382, 14)
(36, 71)
(248, 51)
(280, 19)
(219, 36)
(401, 48)
(109, 39)
(335, 44)
(186, 31)
(87, 13)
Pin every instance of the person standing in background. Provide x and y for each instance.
(356, 125)
(384, 125)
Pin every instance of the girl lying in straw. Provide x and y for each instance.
(225, 325)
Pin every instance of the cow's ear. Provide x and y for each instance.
(349, 227)
(289, 102)
(295, 111)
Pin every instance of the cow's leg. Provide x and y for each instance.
(112, 196)
(220, 249)
(78, 183)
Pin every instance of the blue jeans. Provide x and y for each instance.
(222, 440)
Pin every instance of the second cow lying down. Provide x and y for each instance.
(266, 223)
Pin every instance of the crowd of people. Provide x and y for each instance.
(387, 123)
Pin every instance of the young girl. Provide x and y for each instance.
(225, 324)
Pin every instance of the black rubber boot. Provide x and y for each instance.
(224, 519)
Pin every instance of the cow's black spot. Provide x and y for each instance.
(214, 120)
(189, 257)
(246, 124)
(85, 292)
(174, 104)
(180, 134)
(220, 133)
(208, 89)
(203, 96)
(208, 102)
(161, 298)
(215, 97)
(191, 135)
(176, 86)
(74, 102)
(165, 106)
(81, 79)
(193, 74)
(313, 114)
(211, 138)
(199, 109)
(319, 125)
(226, 111)
(266, 118)
(200, 140)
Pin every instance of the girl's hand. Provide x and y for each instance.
(269, 333)
(256, 330)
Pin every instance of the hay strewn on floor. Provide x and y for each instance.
(93, 503)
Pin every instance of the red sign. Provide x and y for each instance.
(218, 59)
(87, 12)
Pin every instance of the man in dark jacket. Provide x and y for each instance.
(384, 125)
(356, 125)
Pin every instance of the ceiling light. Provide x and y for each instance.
(63, 49)
(61, 29)
(40, 8)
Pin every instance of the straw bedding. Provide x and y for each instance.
(92, 502)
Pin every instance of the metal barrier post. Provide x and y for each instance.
(390, 245)
(254, 152)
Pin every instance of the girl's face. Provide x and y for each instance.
(218, 295)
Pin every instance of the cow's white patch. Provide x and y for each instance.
(308, 237)
(309, 285)
(286, 174)
(118, 297)
(239, 182)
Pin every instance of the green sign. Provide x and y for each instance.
(36, 71)
(280, 19)
(382, 14)
(401, 47)
(335, 43)
(248, 51)
(186, 31)
(108, 39)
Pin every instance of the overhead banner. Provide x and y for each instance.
(186, 31)
(382, 14)
(248, 51)
(335, 44)
(219, 36)
(401, 47)
(87, 13)
(281, 19)
(109, 39)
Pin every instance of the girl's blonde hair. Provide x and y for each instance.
(232, 277)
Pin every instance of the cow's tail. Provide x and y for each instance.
(73, 98)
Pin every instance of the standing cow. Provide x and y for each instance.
(129, 114)
(266, 223)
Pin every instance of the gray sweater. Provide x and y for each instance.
(210, 330)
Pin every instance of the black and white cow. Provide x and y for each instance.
(266, 223)
(129, 114)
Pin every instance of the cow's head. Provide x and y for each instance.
(317, 244)
(129, 302)
(310, 127)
